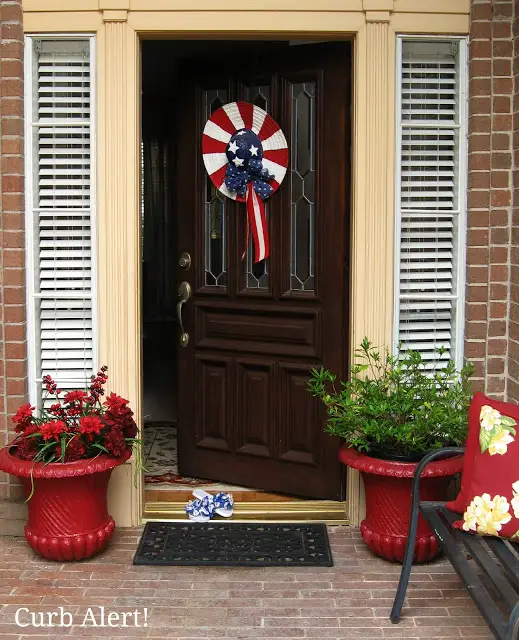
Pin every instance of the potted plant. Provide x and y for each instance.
(64, 458)
(391, 412)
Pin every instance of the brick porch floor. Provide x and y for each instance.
(350, 600)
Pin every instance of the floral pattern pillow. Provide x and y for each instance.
(491, 494)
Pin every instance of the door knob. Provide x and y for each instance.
(185, 261)
(184, 293)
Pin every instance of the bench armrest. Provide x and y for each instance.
(421, 466)
(413, 525)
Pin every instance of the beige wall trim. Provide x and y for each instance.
(115, 16)
(114, 4)
(119, 236)
(378, 5)
(118, 25)
(256, 23)
(373, 210)
(438, 24)
(65, 22)
(397, 6)
(432, 6)
(378, 16)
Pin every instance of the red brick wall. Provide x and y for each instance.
(491, 174)
(513, 344)
(13, 348)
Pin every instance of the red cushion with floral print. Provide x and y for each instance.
(489, 496)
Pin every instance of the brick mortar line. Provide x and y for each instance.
(5, 435)
(5, 233)
(512, 196)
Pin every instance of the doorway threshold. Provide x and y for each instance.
(328, 511)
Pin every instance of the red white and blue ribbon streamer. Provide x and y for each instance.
(246, 156)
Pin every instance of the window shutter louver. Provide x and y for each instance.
(60, 213)
(431, 199)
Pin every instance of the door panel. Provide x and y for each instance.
(255, 393)
(299, 413)
(265, 328)
(213, 405)
(245, 415)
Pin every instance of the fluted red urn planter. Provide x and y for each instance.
(388, 502)
(68, 514)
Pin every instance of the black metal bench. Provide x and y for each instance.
(488, 567)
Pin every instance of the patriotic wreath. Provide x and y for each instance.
(246, 156)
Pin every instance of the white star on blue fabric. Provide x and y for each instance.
(233, 147)
(241, 133)
(238, 162)
(253, 150)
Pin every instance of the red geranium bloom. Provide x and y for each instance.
(30, 429)
(26, 448)
(116, 403)
(90, 425)
(75, 396)
(75, 450)
(53, 429)
(130, 429)
(23, 416)
(115, 442)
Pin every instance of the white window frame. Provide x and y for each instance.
(457, 344)
(33, 356)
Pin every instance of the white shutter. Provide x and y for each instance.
(431, 198)
(60, 212)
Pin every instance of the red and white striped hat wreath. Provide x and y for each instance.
(246, 156)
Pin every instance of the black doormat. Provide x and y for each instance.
(227, 544)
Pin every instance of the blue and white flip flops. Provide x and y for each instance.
(221, 504)
(200, 510)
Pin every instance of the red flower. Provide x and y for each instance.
(118, 413)
(96, 385)
(51, 386)
(75, 450)
(90, 425)
(26, 448)
(130, 429)
(58, 410)
(23, 417)
(30, 430)
(116, 404)
(53, 429)
(75, 396)
(115, 442)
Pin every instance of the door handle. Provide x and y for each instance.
(184, 293)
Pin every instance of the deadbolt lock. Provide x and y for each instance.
(185, 261)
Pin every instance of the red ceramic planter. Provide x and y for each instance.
(388, 502)
(68, 515)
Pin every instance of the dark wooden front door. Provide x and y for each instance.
(255, 330)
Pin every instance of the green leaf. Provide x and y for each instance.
(516, 535)
(96, 445)
(485, 438)
(506, 421)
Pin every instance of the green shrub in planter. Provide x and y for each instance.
(393, 405)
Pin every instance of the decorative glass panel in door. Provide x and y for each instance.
(215, 212)
(302, 225)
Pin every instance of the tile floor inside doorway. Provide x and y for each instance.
(350, 600)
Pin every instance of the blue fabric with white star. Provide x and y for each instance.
(245, 154)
